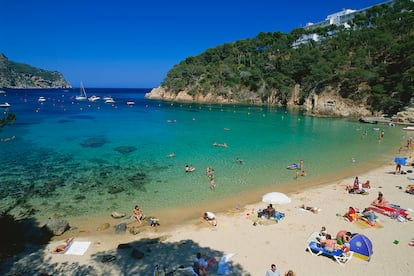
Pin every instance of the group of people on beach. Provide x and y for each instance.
(341, 240)
(358, 187)
(300, 171)
(138, 214)
(273, 271)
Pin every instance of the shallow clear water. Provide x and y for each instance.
(82, 158)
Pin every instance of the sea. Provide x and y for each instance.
(87, 159)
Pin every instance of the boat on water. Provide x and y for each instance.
(82, 96)
(109, 100)
(130, 103)
(409, 128)
(5, 105)
(94, 98)
(41, 99)
(2, 92)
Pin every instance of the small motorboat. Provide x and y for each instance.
(41, 99)
(5, 105)
(109, 100)
(409, 128)
(130, 103)
(94, 98)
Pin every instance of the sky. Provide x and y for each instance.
(134, 43)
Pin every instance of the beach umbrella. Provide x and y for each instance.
(276, 198)
(361, 246)
(400, 160)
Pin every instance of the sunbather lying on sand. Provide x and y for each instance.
(410, 189)
(63, 247)
(310, 209)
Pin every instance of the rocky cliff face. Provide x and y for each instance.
(18, 75)
(328, 103)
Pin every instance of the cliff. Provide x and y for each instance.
(19, 75)
(326, 103)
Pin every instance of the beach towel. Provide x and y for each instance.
(363, 223)
(78, 248)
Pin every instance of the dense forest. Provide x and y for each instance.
(371, 62)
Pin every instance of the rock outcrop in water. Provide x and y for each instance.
(19, 75)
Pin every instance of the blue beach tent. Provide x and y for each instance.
(361, 246)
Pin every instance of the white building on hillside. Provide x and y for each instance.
(339, 19)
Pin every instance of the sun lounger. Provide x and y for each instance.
(339, 255)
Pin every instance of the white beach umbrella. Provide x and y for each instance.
(276, 198)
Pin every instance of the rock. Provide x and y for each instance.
(137, 254)
(103, 227)
(117, 215)
(120, 228)
(56, 226)
(115, 190)
(125, 149)
(134, 231)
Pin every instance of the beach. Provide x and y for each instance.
(255, 247)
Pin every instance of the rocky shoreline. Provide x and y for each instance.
(326, 104)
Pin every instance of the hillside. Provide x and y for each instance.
(364, 69)
(19, 75)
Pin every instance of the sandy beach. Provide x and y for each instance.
(255, 247)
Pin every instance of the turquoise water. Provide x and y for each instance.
(81, 159)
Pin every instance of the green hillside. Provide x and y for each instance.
(370, 63)
(19, 75)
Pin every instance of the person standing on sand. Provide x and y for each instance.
(272, 271)
(397, 168)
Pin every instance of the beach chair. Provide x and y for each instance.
(339, 255)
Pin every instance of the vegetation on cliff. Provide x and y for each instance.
(19, 75)
(370, 63)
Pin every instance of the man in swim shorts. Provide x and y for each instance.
(343, 237)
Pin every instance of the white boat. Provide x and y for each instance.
(82, 96)
(2, 92)
(41, 99)
(130, 103)
(109, 100)
(5, 105)
(409, 128)
(94, 98)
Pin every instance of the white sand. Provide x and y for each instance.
(256, 247)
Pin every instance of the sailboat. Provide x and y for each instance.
(82, 96)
